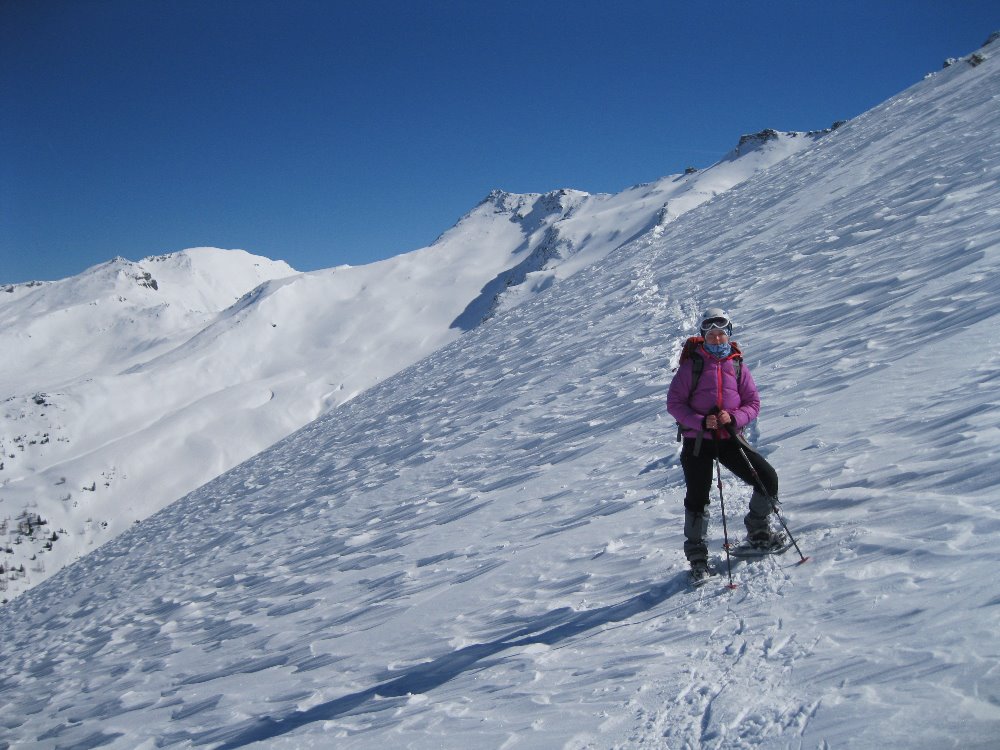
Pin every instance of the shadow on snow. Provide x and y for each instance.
(549, 629)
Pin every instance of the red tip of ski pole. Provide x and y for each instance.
(732, 586)
(804, 559)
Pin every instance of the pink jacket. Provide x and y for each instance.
(717, 387)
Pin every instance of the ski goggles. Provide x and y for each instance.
(723, 324)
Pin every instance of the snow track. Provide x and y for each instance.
(732, 688)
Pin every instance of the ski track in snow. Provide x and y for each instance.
(485, 551)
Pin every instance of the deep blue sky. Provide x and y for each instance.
(326, 132)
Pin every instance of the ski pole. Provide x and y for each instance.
(760, 485)
(725, 527)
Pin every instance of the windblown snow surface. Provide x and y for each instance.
(129, 370)
(485, 550)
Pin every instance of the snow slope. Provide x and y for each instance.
(118, 313)
(485, 550)
(130, 370)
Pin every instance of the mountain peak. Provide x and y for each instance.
(63, 329)
(503, 201)
(754, 141)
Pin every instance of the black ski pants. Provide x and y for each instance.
(699, 470)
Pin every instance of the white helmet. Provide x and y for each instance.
(716, 317)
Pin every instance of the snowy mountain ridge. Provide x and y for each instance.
(117, 312)
(133, 368)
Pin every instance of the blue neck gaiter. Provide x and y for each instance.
(720, 351)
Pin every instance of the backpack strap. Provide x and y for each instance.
(697, 366)
(737, 361)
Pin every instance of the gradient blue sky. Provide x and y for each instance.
(333, 132)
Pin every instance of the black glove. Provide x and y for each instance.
(715, 410)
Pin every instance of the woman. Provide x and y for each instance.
(712, 403)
